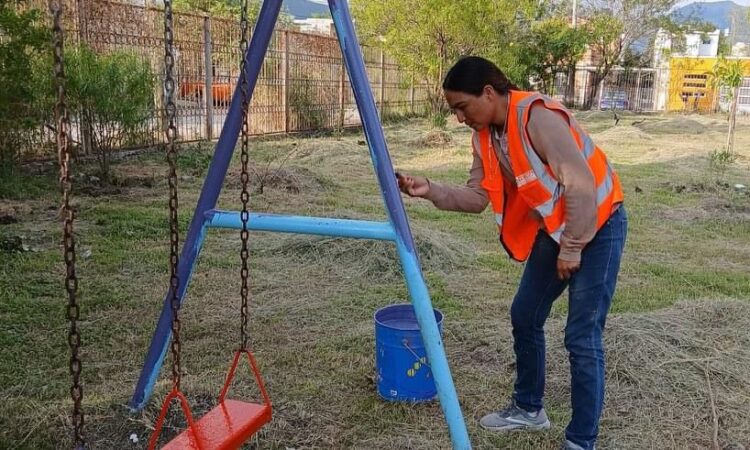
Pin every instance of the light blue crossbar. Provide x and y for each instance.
(323, 226)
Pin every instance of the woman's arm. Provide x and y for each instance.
(471, 198)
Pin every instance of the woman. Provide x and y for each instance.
(558, 206)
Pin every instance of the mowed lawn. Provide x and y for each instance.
(678, 337)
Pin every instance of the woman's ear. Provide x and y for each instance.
(489, 91)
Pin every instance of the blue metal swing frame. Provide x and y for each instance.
(396, 229)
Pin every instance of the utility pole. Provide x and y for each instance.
(575, 4)
(570, 94)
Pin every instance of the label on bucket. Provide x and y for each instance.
(417, 365)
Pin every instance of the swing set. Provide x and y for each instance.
(232, 422)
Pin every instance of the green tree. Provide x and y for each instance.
(216, 7)
(427, 36)
(23, 38)
(112, 92)
(604, 36)
(553, 45)
(229, 8)
(728, 74)
(725, 46)
(615, 25)
(636, 19)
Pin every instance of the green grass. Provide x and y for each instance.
(21, 186)
(311, 311)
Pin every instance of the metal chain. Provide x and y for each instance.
(171, 111)
(244, 176)
(71, 280)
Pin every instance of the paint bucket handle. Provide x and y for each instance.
(419, 359)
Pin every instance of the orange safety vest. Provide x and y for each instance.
(536, 187)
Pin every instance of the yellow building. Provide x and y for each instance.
(691, 85)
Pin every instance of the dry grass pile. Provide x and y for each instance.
(674, 125)
(290, 179)
(435, 138)
(374, 260)
(623, 133)
(678, 378)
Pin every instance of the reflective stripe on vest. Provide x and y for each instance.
(535, 183)
(493, 183)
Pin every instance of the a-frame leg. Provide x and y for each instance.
(397, 230)
(381, 160)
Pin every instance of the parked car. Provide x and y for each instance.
(614, 99)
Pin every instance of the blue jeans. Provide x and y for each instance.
(590, 295)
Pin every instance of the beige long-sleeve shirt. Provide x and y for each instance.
(569, 167)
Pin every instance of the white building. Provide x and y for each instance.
(740, 49)
(702, 44)
(696, 44)
(316, 25)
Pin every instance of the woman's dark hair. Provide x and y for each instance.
(472, 73)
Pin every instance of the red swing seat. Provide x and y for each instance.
(227, 426)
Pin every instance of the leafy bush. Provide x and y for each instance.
(719, 160)
(23, 38)
(113, 94)
(439, 119)
(305, 105)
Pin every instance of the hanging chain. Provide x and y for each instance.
(171, 111)
(244, 176)
(71, 281)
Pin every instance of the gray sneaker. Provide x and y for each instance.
(572, 446)
(514, 418)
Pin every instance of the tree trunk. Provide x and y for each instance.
(596, 87)
(545, 85)
(87, 138)
(715, 100)
(570, 89)
(436, 102)
(592, 89)
(732, 119)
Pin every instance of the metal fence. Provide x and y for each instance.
(625, 89)
(646, 90)
(302, 85)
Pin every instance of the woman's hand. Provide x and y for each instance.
(413, 186)
(566, 269)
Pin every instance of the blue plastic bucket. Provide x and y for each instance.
(400, 358)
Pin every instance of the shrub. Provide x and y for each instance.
(113, 94)
(23, 39)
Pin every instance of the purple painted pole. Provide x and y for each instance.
(371, 122)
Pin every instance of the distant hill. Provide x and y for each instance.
(304, 9)
(720, 14)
